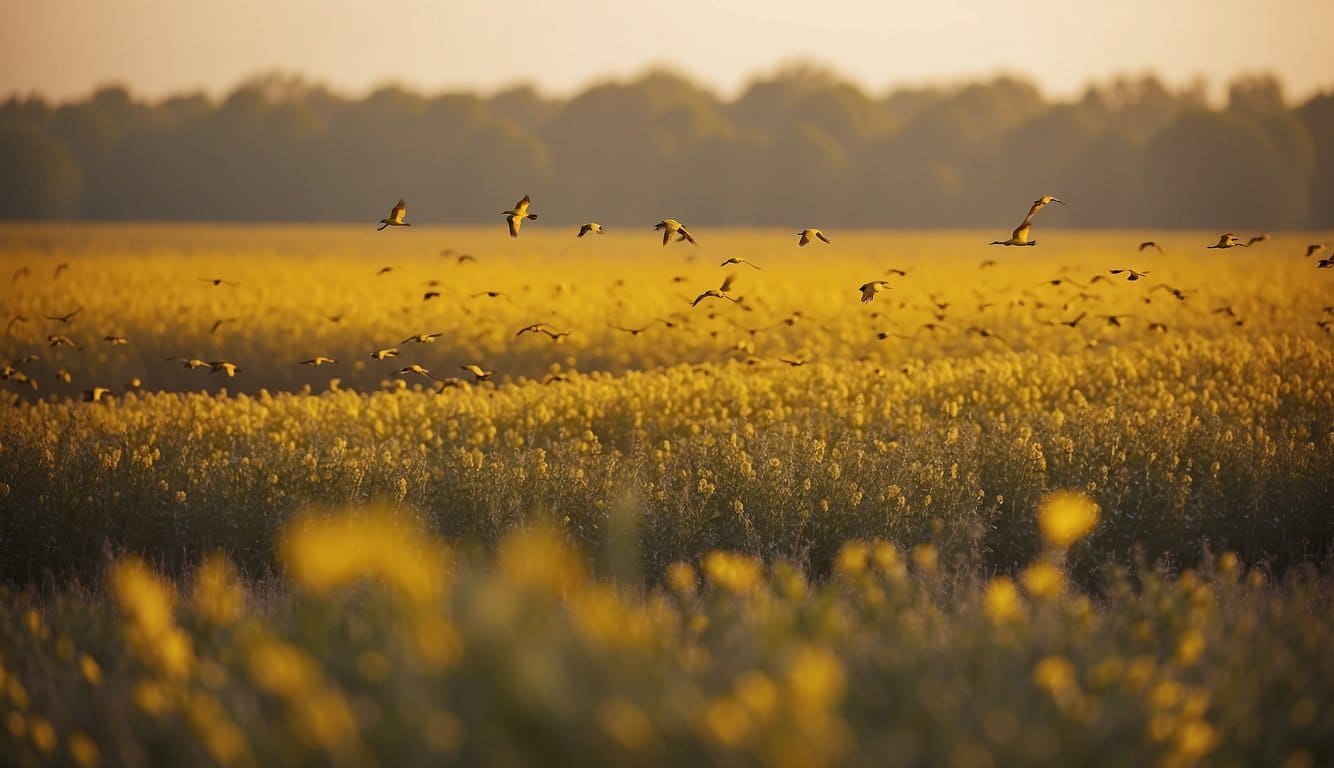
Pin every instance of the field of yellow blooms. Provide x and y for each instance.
(1015, 510)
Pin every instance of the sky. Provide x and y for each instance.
(63, 49)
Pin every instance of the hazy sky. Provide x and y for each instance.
(64, 48)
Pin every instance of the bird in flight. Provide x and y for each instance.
(987, 263)
(1042, 202)
(1227, 240)
(1019, 236)
(218, 281)
(417, 369)
(395, 217)
(223, 366)
(671, 227)
(95, 394)
(189, 363)
(61, 267)
(869, 290)
(1325, 263)
(632, 331)
(65, 318)
(719, 293)
(735, 260)
(517, 214)
(382, 354)
(1259, 238)
(809, 234)
(60, 341)
(423, 338)
(1152, 244)
(593, 227)
(1113, 320)
(534, 328)
(1075, 322)
(1313, 249)
(219, 323)
(116, 341)
(477, 372)
(1131, 274)
(1177, 293)
(318, 360)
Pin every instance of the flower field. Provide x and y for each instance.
(1014, 510)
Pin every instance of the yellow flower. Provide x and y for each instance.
(218, 595)
(91, 671)
(625, 722)
(681, 578)
(1043, 581)
(852, 559)
(733, 572)
(84, 750)
(1001, 601)
(1064, 517)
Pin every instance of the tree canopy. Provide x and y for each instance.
(797, 146)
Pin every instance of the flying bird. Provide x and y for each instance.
(1228, 240)
(477, 372)
(534, 328)
(517, 214)
(218, 281)
(1259, 238)
(95, 394)
(61, 267)
(719, 293)
(189, 363)
(869, 290)
(1131, 274)
(395, 217)
(223, 366)
(593, 227)
(809, 234)
(735, 260)
(319, 360)
(60, 341)
(383, 354)
(219, 323)
(417, 369)
(671, 227)
(65, 318)
(1019, 236)
(422, 338)
(1325, 263)
(116, 341)
(1313, 249)
(1040, 203)
(1152, 244)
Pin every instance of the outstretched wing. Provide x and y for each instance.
(515, 222)
(686, 235)
(1021, 232)
(821, 236)
(400, 210)
(805, 237)
(727, 283)
(521, 207)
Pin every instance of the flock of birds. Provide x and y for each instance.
(672, 231)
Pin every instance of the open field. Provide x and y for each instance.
(534, 531)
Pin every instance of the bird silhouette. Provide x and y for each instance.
(736, 260)
(319, 360)
(515, 216)
(116, 341)
(1227, 240)
(1259, 239)
(223, 366)
(1019, 236)
(61, 267)
(218, 281)
(417, 369)
(65, 318)
(95, 394)
(422, 338)
(631, 331)
(1131, 274)
(386, 353)
(671, 227)
(1313, 249)
(810, 233)
(869, 290)
(1041, 203)
(1152, 244)
(219, 323)
(396, 215)
(593, 227)
(60, 341)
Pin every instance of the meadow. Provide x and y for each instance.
(791, 529)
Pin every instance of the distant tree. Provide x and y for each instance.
(1318, 117)
(42, 180)
(1255, 95)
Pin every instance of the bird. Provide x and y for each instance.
(477, 372)
(1040, 203)
(223, 366)
(488, 294)
(1059, 281)
(735, 260)
(809, 234)
(417, 369)
(1131, 274)
(554, 335)
(671, 227)
(1160, 327)
(189, 363)
(632, 331)
(719, 293)
(219, 323)
(1325, 263)
(1152, 244)
(517, 214)
(1075, 322)
(116, 341)
(534, 328)
(987, 263)
(1019, 236)
(795, 363)
(1177, 293)
(65, 318)
(1113, 320)
(1227, 240)
(95, 394)
(897, 271)
(395, 216)
(869, 290)
(384, 271)
(60, 341)
(61, 267)
(430, 295)
(218, 281)
(593, 227)
(319, 360)
(422, 338)
(1313, 249)
(1259, 238)
(383, 354)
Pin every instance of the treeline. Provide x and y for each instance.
(800, 147)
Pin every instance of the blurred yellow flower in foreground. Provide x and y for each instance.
(1065, 517)
(733, 572)
(1001, 601)
(327, 554)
